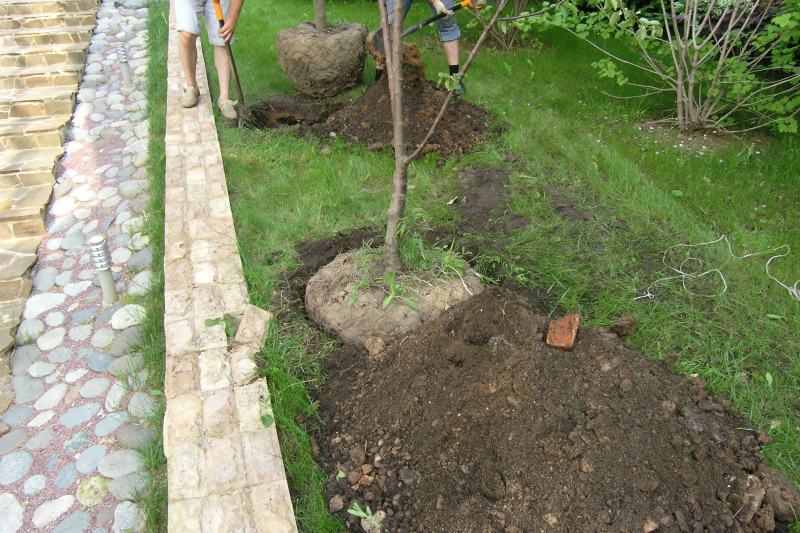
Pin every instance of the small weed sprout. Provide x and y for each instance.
(365, 514)
(396, 292)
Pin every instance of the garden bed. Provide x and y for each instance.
(472, 423)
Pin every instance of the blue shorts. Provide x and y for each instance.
(448, 27)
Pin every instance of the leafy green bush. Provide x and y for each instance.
(730, 64)
(515, 27)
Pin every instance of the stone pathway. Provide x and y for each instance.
(42, 50)
(67, 442)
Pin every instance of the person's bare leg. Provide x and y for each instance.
(188, 55)
(451, 52)
(223, 64)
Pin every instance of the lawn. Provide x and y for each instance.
(643, 189)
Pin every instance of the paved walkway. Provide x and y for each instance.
(67, 456)
(42, 50)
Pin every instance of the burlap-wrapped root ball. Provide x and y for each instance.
(323, 62)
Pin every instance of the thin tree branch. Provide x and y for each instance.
(461, 74)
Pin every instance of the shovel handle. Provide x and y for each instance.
(461, 5)
(220, 15)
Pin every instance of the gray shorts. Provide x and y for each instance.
(448, 27)
(187, 18)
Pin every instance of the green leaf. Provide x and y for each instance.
(411, 303)
(156, 392)
(775, 317)
(228, 326)
(340, 475)
(768, 377)
(267, 420)
(210, 322)
(387, 301)
(677, 193)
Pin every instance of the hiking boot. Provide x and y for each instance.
(227, 108)
(190, 96)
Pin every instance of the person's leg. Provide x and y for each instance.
(451, 53)
(188, 26)
(223, 66)
(221, 58)
(379, 68)
(188, 53)
(450, 34)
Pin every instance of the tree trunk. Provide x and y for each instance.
(680, 101)
(320, 20)
(391, 260)
(394, 73)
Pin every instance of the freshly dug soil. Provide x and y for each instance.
(474, 425)
(369, 119)
(281, 110)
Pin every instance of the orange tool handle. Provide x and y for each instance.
(220, 15)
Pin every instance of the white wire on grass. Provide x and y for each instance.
(683, 275)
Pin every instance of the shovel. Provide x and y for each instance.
(221, 20)
(377, 37)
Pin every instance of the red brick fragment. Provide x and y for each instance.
(561, 333)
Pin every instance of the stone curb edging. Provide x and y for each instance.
(224, 465)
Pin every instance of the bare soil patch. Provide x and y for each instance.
(470, 423)
(473, 424)
(368, 119)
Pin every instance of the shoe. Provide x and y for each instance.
(190, 96)
(460, 89)
(227, 108)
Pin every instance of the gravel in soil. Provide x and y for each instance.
(473, 424)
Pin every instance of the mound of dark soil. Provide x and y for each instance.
(368, 119)
(474, 425)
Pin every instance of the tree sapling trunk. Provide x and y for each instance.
(320, 19)
(394, 73)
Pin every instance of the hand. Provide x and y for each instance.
(227, 29)
(440, 8)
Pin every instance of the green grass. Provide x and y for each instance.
(644, 191)
(154, 502)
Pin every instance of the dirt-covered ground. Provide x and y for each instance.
(368, 119)
(473, 424)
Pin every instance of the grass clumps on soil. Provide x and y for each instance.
(472, 423)
(425, 265)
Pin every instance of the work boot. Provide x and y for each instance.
(190, 96)
(227, 108)
(460, 89)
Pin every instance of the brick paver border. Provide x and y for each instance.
(225, 471)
